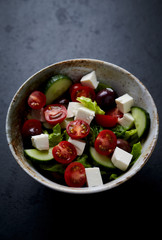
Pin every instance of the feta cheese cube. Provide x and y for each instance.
(93, 176)
(72, 108)
(124, 103)
(121, 159)
(90, 80)
(78, 144)
(84, 114)
(40, 142)
(127, 120)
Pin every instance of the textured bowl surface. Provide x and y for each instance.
(121, 80)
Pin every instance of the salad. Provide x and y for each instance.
(82, 134)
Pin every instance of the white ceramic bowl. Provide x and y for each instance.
(121, 80)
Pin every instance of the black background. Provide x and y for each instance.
(37, 33)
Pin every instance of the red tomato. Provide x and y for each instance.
(114, 112)
(37, 100)
(105, 142)
(55, 113)
(31, 127)
(64, 152)
(74, 86)
(78, 129)
(82, 91)
(75, 175)
(106, 120)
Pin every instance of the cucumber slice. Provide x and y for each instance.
(101, 160)
(141, 120)
(56, 86)
(37, 155)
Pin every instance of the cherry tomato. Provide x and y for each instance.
(37, 100)
(31, 127)
(74, 86)
(75, 175)
(105, 142)
(106, 120)
(82, 91)
(64, 152)
(55, 113)
(114, 112)
(78, 129)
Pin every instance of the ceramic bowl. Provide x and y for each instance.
(118, 78)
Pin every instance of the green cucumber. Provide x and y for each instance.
(141, 120)
(101, 160)
(37, 155)
(56, 86)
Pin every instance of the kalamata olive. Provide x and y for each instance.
(106, 98)
(123, 144)
(63, 101)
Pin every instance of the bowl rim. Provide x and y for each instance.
(86, 190)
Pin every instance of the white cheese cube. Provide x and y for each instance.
(72, 108)
(93, 176)
(85, 114)
(78, 144)
(121, 159)
(124, 103)
(90, 80)
(40, 142)
(127, 120)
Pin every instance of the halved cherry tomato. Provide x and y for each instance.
(64, 152)
(78, 129)
(75, 175)
(106, 120)
(31, 127)
(55, 113)
(105, 142)
(114, 112)
(82, 91)
(37, 100)
(74, 86)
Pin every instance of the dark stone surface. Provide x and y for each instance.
(36, 33)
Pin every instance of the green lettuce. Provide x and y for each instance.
(94, 131)
(87, 102)
(130, 135)
(119, 131)
(83, 159)
(53, 167)
(136, 152)
(56, 136)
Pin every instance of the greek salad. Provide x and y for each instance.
(82, 134)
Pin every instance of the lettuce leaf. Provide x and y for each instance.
(87, 102)
(56, 136)
(119, 131)
(94, 131)
(136, 152)
(131, 136)
(83, 159)
(53, 167)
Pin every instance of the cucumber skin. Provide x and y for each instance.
(147, 126)
(36, 159)
(53, 80)
(98, 164)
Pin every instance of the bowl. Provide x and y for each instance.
(118, 78)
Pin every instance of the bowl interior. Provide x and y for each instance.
(121, 80)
